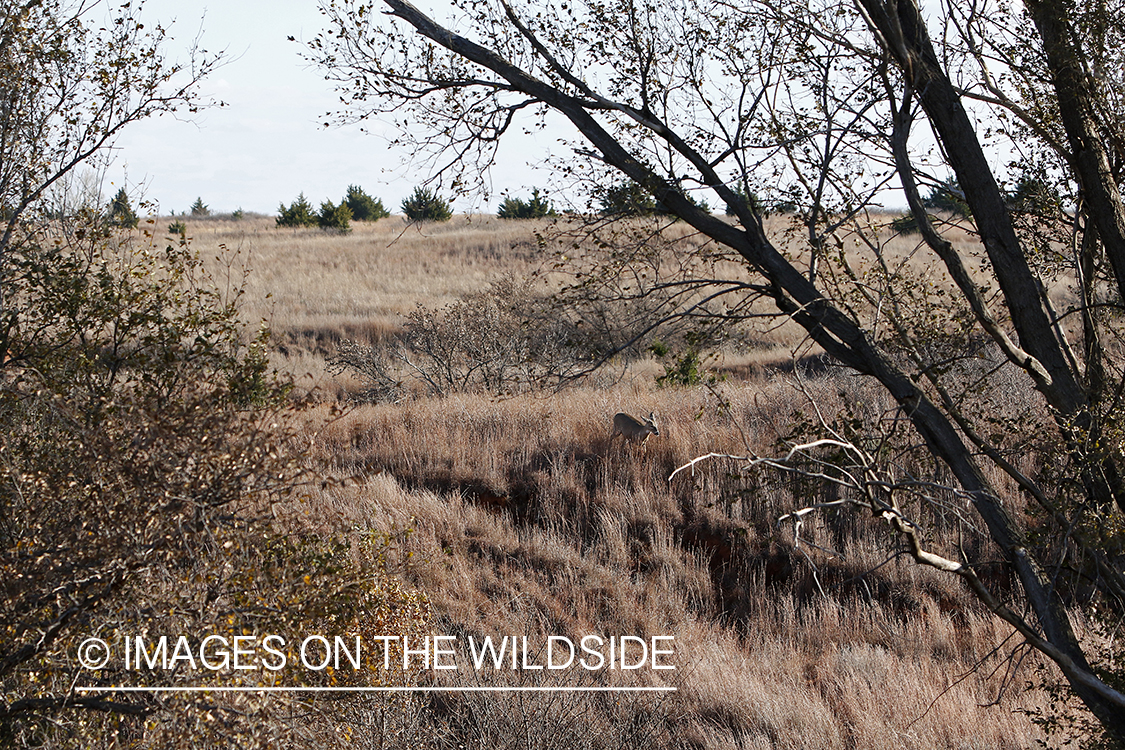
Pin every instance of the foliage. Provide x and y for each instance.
(144, 450)
(781, 205)
(686, 370)
(424, 205)
(905, 224)
(535, 207)
(335, 217)
(121, 213)
(178, 227)
(750, 198)
(1032, 194)
(237, 214)
(200, 209)
(143, 438)
(363, 206)
(298, 214)
(630, 199)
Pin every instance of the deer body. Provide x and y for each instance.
(634, 429)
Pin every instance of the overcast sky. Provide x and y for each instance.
(269, 143)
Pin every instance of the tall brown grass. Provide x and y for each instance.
(527, 519)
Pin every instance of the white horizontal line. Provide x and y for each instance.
(280, 689)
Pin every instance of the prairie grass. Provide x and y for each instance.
(312, 280)
(526, 519)
(316, 288)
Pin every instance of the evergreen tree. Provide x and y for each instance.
(298, 214)
(517, 208)
(121, 213)
(335, 217)
(424, 205)
(363, 206)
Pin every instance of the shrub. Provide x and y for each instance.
(944, 197)
(686, 369)
(238, 214)
(335, 217)
(178, 227)
(424, 205)
(499, 341)
(517, 208)
(298, 214)
(139, 429)
(1034, 195)
(121, 213)
(363, 206)
(199, 208)
(758, 206)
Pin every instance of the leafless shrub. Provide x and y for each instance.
(374, 367)
(505, 339)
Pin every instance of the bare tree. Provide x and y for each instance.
(827, 105)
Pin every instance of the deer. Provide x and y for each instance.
(633, 429)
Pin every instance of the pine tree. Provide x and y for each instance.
(424, 205)
(121, 213)
(298, 214)
(363, 206)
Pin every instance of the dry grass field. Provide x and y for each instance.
(528, 520)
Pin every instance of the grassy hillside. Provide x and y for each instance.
(527, 519)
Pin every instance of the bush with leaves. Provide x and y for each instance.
(1033, 194)
(749, 198)
(143, 449)
(335, 217)
(904, 224)
(535, 207)
(363, 206)
(143, 442)
(424, 205)
(685, 370)
(298, 214)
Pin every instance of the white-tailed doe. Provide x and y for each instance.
(633, 429)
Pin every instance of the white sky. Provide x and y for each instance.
(269, 143)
